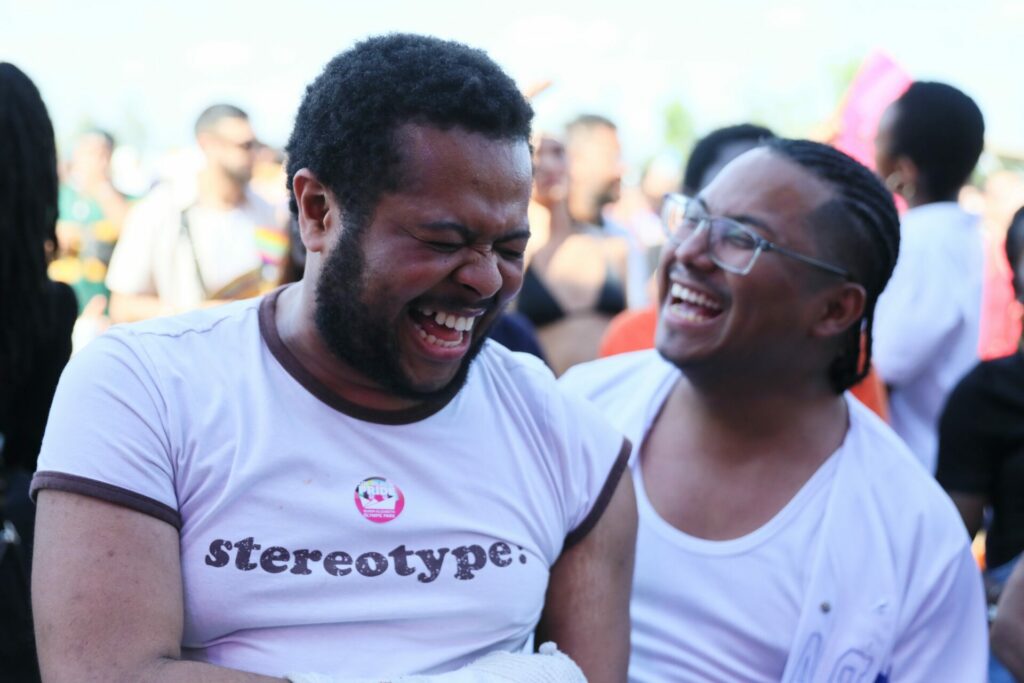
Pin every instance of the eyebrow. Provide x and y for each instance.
(743, 218)
(468, 234)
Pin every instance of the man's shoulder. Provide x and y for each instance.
(514, 366)
(618, 374)
(211, 327)
(906, 494)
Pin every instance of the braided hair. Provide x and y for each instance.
(28, 219)
(859, 229)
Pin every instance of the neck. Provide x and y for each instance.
(561, 220)
(924, 198)
(582, 210)
(737, 420)
(218, 190)
(299, 333)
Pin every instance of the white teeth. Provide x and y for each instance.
(688, 295)
(687, 314)
(450, 320)
(431, 339)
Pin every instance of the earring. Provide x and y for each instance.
(905, 188)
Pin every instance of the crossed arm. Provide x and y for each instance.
(107, 613)
(103, 611)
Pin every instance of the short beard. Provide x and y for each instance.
(366, 342)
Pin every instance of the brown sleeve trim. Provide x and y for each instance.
(59, 481)
(605, 497)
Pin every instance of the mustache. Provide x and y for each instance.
(453, 303)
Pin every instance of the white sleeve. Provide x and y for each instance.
(595, 458)
(131, 264)
(914, 318)
(107, 434)
(945, 635)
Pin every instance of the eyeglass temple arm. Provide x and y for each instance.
(771, 246)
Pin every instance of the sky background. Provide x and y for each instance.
(146, 69)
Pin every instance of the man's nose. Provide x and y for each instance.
(694, 250)
(480, 273)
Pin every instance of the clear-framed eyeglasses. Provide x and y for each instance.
(731, 245)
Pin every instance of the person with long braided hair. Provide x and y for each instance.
(36, 319)
(785, 531)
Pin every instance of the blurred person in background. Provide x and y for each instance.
(981, 450)
(594, 154)
(928, 319)
(1002, 196)
(92, 211)
(202, 240)
(576, 272)
(36, 318)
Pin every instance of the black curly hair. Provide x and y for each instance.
(859, 229)
(345, 129)
(942, 131)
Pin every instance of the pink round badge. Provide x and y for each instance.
(378, 500)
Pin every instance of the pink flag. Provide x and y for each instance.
(878, 82)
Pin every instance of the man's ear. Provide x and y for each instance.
(841, 307)
(318, 212)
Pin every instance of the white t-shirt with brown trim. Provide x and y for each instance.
(317, 535)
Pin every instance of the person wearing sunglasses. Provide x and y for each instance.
(785, 531)
(199, 240)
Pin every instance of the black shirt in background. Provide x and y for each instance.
(981, 449)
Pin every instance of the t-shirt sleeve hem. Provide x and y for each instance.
(59, 481)
(605, 497)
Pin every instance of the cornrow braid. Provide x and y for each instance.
(28, 219)
(863, 236)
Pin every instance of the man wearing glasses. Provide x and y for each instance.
(785, 532)
(197, 240)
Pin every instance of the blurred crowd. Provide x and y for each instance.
(947, 374)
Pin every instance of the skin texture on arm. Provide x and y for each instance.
(109, 609)
(586, 611)
(1008, 629)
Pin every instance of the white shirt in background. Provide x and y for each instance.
(928, 320)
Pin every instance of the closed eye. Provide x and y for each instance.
(446, 247)
(512, 254)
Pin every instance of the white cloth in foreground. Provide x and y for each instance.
(883, 587)
(547, 666)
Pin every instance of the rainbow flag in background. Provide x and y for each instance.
(272, 244)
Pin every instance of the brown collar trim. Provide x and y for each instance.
(291, 364)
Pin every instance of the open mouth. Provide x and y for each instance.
(691, 305)
(441, 329)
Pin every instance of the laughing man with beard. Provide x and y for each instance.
(344, 476)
